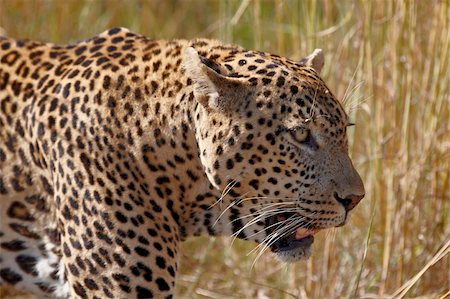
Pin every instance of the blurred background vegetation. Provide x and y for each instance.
(389, 61)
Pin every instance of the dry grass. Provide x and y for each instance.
(390, 60)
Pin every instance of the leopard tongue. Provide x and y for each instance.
(303, 232)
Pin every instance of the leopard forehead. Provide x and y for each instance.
(283, 89)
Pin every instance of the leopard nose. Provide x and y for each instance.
(349, 202)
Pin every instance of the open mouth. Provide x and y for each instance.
(295, 236)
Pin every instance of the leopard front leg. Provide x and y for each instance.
(29, 255)
(116, 244)
(29, 239)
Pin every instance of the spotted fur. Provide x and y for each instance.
(115, 149)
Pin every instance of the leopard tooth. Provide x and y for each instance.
(302, 232)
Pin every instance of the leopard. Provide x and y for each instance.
(115, 149)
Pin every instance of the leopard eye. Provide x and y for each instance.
(304, 137)
(301, 135)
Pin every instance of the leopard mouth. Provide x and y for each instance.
(296, 244)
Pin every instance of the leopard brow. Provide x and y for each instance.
(301, 127)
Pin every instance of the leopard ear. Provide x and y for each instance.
(314, 60)
(212, 88)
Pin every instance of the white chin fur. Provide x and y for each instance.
(295, 255)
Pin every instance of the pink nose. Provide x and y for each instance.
(349, 202)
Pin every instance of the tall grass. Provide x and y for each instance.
(390, 60)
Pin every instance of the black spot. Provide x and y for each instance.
(125, 288)
(300, 102)
(2, 187)
(147, 272)
(152, 232)
(238, 157)
(161, 262)
(106, 82)
(80, 290)
(236, 130)
(27, 264)
(294, 89)
(107, 293)
(14, 245)
(88, 244)
(192, 176)
(230, 164)
(18, 210)
(66, 250)
(162, 284)
(10, 58)
(99, 40)
(24, 231)
(6, 46)
(237, 224)
(276, 169)
(217, 180)
(272, 180)
(120, 278)
(266, 81)
(47, 187)
(121, 217)
(74, 270)
(143, 292)
(141, 251)
(162, 179)
(119, 260)
(66, 90)
(90, 284)
(219, 150)
(280, 81)
(114, 31)
(254, 184)
(111, 102)
(10, 276)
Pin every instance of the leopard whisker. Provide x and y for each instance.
(232, 203)
(255, 220)
(297, 219)
(266, 245)
(351, 92)
(344, 98)
(259, 215)
(270, 226)
(354, 104)
(311, 114)
(267, 213)
(285, 230)
(226, 190)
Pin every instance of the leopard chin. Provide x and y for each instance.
(291, 246)
(289, 250)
